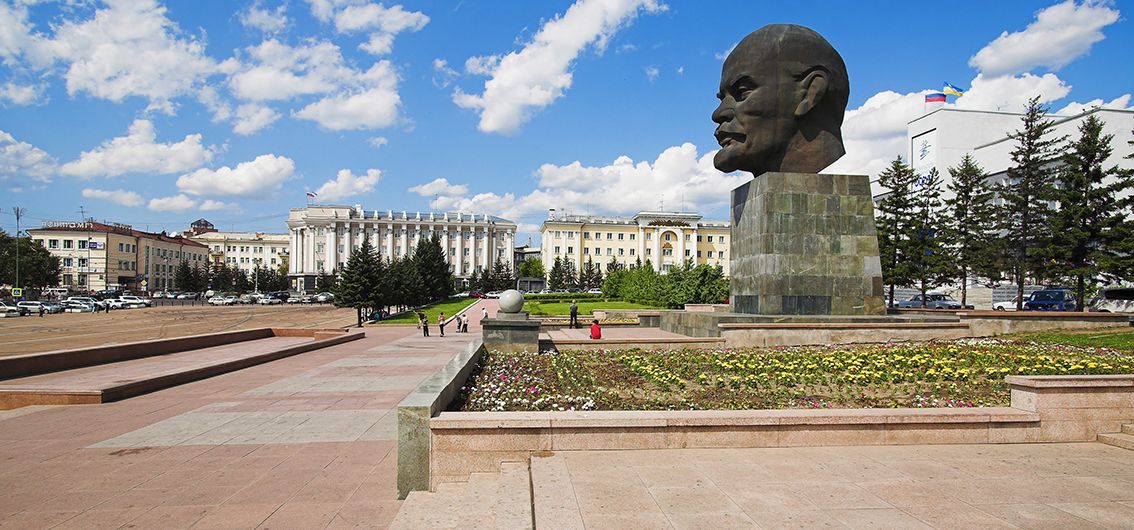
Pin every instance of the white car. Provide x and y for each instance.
(492, 294)
(117, 303)
(78, 306)
(217, 300)
(269, 300)
(136, 300)
(596, 290)
(98, 304)
(1007, 305)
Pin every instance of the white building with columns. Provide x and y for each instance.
(322, 238)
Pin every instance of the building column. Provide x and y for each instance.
(460, 261)
(681, 245)
(309, 249)
(488, 261)
(330, 255)
(292, 257)
(390, 241)
(349, 242)
(696, 260)
(657, 251)
(445, 243)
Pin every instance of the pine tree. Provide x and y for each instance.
(1090, 213)
(591, 277)
(324, 281)
(894, 223)
(432, 268)
(502, 278)
(240, 281)
(555, 277)
(570, 275)
(1025, 212)
(357, 280)
(221, 278)
(928, 261)
(970, 219)
(183, 276)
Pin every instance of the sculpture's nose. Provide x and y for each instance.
(724, 112)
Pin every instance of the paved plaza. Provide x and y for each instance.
(303, 442)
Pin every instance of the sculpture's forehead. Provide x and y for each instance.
(753, 58)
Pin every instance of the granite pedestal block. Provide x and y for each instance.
(805, 244)
(510, 332)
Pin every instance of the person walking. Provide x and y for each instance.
(483, 313)
(465, 323)
(596, 330)
(574, 315)
(424, 323)
(40, 310)
(441, 322)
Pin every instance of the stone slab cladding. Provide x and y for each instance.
(805, 244)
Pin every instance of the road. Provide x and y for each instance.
(34, 334)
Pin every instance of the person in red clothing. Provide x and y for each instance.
(596, 330)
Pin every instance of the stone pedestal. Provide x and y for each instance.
(805, 244)
(511, 332)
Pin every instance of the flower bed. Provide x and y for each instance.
(961, 373)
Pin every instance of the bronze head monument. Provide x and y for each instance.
(783, 93)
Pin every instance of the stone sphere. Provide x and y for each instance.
(511, 301)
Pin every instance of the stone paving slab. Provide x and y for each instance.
(1085, 485)
(216, 453)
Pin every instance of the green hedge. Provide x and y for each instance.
(568, 297)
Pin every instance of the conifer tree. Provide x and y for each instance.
(183, 276)
(894, 223)
(429, 258)
(502, 278)
(555, 277)
(357, 280)
(570, 275)
(929, 264)
(1091, 214)
(1025, 212)
(970, 218)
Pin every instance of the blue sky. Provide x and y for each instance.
(158, 113)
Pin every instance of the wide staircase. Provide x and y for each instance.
(1124, 439)
(488, 500)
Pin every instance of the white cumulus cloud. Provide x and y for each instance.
(18, 94)
(255, 178)
(21, 160)
(373, 106)
(175, 203)
(139, 152)
(347, 184)
(270, 21)
(525, 81)
(440, 186)
(1060, 34)
(678, 176)
(209, 205)
(382, 23)
(128, 48)
(119, 196)
(1121, 102)
(252, 117)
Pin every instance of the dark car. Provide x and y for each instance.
(932, 301)
(1051, 300)
(475, 293)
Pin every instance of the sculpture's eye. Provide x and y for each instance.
(742, 89)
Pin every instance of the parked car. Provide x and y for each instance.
(31, 306)
(325, 298)
(117, 303)
(595, 290)
(231, 300)
(188, 296)
(9, 309)
(1057, 299)
(52, 307)
(1009, 305)
(283, 296)
(932, 301)
(136, 300)
(492, 294)
(269, 299)
(98, 304)
(78, 306)
(1113, 300)
(217, 300)
(476, 293)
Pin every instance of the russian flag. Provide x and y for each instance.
(935, 97)
(311, 195)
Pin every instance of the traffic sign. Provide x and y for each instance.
(17, 292)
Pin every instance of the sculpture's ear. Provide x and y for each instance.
(814, 87)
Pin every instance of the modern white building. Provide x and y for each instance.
(243, 250)
(322, 238)
(942, 137)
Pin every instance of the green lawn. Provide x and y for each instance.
(585, 307)
(1112, 338)
(449, 307)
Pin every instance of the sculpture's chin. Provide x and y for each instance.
(724, 162)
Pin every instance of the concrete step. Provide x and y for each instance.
(487, 501)
(553, 496)
(1128, 428)
(1123, 440)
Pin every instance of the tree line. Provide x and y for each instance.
(370, 282)
(222, 277)
(37, 267)
(1061, 215)
(684, 284)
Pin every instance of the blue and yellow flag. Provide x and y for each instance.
(952, 90)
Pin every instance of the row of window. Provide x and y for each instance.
(243, 261)
(399, 232)
(243, 248)
(649, 252)
(649, 236)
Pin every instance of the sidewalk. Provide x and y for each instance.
(303, 442)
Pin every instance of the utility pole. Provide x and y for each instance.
(19, 212)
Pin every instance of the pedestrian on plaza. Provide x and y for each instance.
(574, 315)
(441, 322)
(41, 310)
(465, 323)
(484, 313)
(596, 330)
(423, 323)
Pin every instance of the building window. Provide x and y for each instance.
(52, 243)
(82, 244)
(687, 253)
(666, 252)
(720, 254)
(698, 239)
(631, 251)
(570, 250)
(609, 251)
(632, 236)
(571, 234)
(556, 250)
(668, 236)
(621, 251)
(698, 253)
(609, 236)
(586, 235)
(687, 236)
(649, 252)
(68, 262)
(82, 262)
(709, 238)
(721, 239)
(649, 236)
(67, 243)
(620, 236)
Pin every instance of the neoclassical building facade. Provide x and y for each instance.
(665, 239)
(323, 237)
